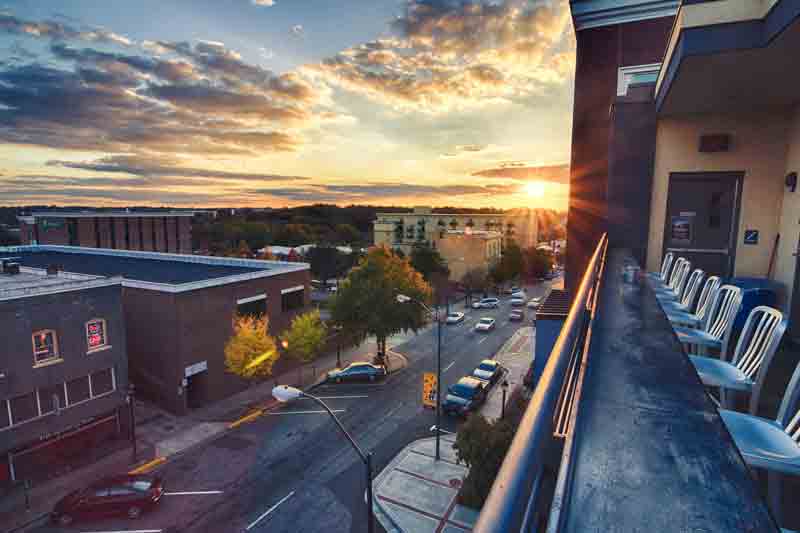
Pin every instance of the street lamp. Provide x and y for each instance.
(402, 298)
(285, 393)
(504, 386)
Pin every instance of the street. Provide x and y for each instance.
(291, 470)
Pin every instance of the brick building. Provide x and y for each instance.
(149, 231)
(178, 312)
(63, 369)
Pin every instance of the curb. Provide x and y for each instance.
(30, 523)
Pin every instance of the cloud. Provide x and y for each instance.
(263, 3)
(451, 54)
(381, 191)
(520, 172)
(58, 31)
(465, 148)
(266, 53)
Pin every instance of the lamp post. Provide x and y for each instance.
(131, 406)
(285, 393)
(504, 386)
(402, 298)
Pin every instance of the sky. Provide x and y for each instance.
(271, 103)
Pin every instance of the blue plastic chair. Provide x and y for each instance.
(695, 319)
(672, 279)
(666, 263)
(745, 373)
(716, 331)
(770, 444)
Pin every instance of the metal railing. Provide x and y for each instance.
(514, 503)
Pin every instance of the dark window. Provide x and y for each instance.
(96, 222)
(127, 244)
(45, 346)
(4, 421)
(153, 232)
(72, 230)
(293, 300)
(51, 398)
(78, 389)
(255, 308)
(102, 382)
(120, 491)
(112, 225)
(166, 234)
(23, 408)
(141, 233)
(96, 334)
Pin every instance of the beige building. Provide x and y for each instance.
(465, 250)
(401, 231)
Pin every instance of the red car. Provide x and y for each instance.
(126, 495)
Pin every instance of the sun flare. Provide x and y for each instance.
(534, 189)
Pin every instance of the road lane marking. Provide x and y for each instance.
(246, 418)
(277, 413)
(148, 466)
(335, 397)
(193, 493)
(483, 339)
(267, 513)
(448, 366)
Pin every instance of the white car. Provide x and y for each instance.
(519, 294)
(485, 324)
(517, 302)
(534, 303)
(486, 303)
(455, 318)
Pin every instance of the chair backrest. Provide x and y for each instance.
(721, 315)
(757, 343)
(683, 277)
(666, 264)
(707, 296)
(690, 289)
(788, 413)
(677, 268)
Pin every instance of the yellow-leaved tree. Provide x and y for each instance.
(250, 352)
(305, 337)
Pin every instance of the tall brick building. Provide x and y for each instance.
(147, 231)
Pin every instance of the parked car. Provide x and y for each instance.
(455, 317)
(534, 303)
(465, 396)
(517, 315)
(488, 370)
(485, 324)
(517, 301)
(519, 293)
(359, 371)
(126, 495)
(513, 289)
(486, 303)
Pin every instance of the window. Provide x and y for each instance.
(252, 306)
(45, 346)
(292, 299)
(627, 76)
(78, 390)
(96, 334)
(51, 399)
(23, 408)
(102, 382)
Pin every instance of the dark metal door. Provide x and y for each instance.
(702, 219)
(794, 312)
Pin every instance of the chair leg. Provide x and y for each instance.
(774, 494)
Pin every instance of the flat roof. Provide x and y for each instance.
(112, 214)
(149, 270)
(35, 283)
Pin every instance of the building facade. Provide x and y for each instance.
(179, 310)
(149, 231)
(468, 250)
(63, 370)
(402, 231)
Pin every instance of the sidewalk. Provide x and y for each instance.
(415, 493)
(161, 435)
(516, 356)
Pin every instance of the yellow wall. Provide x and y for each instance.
(790, 214)
(759, 148)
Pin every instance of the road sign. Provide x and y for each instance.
(429, 389)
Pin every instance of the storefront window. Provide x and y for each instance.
(96, 334)
(45, 346)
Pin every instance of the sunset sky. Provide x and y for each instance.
(270, 103)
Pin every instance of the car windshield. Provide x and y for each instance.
(486, 320)
(455, 399)
(462, 390)
(489, 367)
(454, 315)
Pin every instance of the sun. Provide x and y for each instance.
(534, 189)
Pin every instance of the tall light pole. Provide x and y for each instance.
(285, 393)
(402, 298)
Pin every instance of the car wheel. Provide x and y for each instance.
(64, 520)
(134, 512)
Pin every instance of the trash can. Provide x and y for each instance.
(755, 292)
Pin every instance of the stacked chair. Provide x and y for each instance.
(773, 445)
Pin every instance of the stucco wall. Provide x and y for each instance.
(758, 148)
(790, 214)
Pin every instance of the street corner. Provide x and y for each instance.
(396, 361)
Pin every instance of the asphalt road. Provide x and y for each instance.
(291, 470)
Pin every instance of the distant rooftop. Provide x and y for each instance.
(113, 214)
(149, 270)
(33, 283)
(477, 234)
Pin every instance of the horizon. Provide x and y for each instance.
(402, 102)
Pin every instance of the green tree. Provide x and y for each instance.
(366, 302)
(475, 280)
(305, 337)
(428, 262)
(482, 446)
(513, 261)
(250, 352)
(538, 262)
(294, 235)
(347, 234)
(327, 262)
